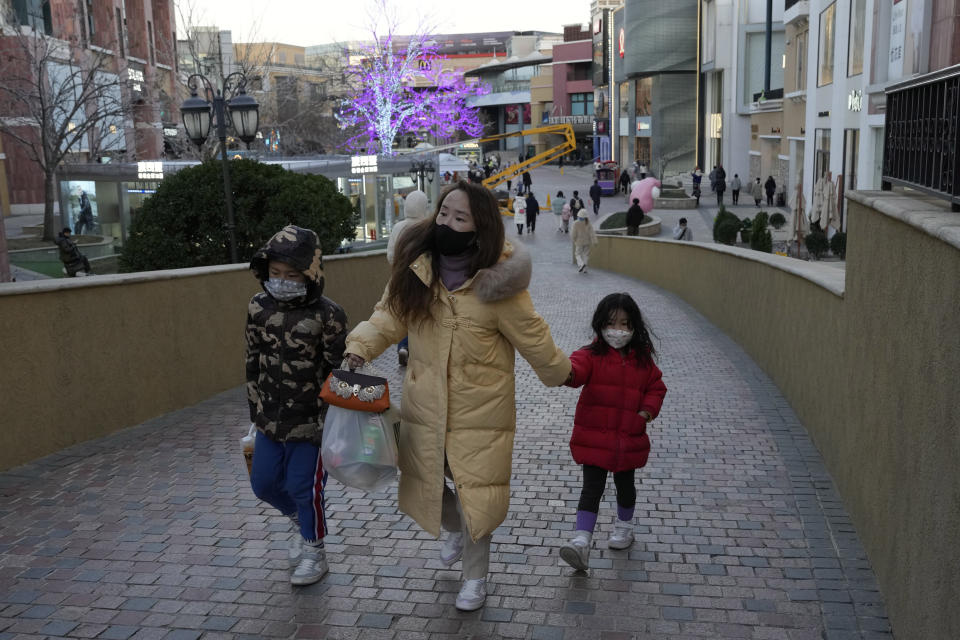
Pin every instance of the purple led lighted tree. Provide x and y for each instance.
(386, 104)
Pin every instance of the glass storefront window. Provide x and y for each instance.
(857, 24)
(827, 43)
(801, 61)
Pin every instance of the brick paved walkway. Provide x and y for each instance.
(154, 533)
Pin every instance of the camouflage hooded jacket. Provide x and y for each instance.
(291, 346)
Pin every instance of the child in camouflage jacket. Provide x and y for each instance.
(295, 337)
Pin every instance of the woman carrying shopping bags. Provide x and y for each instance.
(460, 291)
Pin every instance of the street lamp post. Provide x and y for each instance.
(198, 114)
(420, 169)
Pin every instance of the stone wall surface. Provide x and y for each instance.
(870, 367)
(86, 357)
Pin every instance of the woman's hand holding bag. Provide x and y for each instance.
(359, 446)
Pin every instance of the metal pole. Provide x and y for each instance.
(769, 44)
(219, 112)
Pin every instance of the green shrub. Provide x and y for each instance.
(727, 231)
(777, 220)
(747, 223)
(816, 243)
(722, 216)
(760, 238)
(182, 224)
(838, 245)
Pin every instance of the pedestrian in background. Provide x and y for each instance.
(770, 186)
(682, 231)
(295, 338)
(74, 262)
(625, 181)
(735, 188)
(533, 210)
(527, 182)
(634, 218)
(583, 237)
(576, 204)
(713, 178)
(756, 190)
(415, 210)
(460, 291)
(519, 213)
(622, 393)
(557, 206)
(595, 194)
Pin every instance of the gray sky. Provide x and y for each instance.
(308, 22)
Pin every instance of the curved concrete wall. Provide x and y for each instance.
(870, 366)
(85, 357)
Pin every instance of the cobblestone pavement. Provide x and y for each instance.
(154, 533)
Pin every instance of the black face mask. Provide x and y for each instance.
(452, 243)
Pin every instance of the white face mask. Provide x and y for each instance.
(617, 338)
(285, 290)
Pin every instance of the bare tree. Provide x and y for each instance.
(60, 99)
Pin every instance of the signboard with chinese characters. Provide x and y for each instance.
(855, 100)
(363, 164)
(149, 171)
(898, 32)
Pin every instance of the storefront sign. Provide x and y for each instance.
(898, 32)
(136, 79)
(855, 100)
(622, 42)
(363, 164)
(149, 171)
(643, 126)
(571, 120)
(171, 132)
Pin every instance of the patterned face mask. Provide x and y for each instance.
(617, 338)
(285, 290)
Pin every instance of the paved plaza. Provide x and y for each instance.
(154, 532)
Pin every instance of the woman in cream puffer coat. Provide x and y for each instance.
(462, 299)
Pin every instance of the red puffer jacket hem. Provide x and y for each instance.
(608, 430)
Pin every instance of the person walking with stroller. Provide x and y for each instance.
(622, 393)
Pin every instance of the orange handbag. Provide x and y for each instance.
(356, 391)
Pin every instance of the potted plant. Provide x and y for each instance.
(745, 228)
(777, 220)
(816, 242)
(760, 238)
(838, 245)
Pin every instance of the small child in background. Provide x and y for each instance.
(622, 392)
(295, 337)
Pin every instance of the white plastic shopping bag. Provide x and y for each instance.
(247, 443)
(359, 449)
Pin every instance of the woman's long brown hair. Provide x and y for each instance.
(409, 300)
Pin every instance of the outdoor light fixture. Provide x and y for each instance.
(244, 116)
(420, 169)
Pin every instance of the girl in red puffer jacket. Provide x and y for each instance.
(622, 392)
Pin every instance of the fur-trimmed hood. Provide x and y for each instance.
(508, 277)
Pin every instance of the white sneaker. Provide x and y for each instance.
(622, 536)
(452, 549)
(576, 553)
(472, 595)
(312, 567)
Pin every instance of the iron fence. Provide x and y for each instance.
(921, 146)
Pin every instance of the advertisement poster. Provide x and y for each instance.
(898, 32)
(81, 201)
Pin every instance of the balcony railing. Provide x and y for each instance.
(921, 147)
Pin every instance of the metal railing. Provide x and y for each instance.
(921, 146)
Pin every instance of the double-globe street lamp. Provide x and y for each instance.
(420, 169)
(244, 112)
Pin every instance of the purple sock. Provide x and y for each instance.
(586, 521)
(625, 514)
